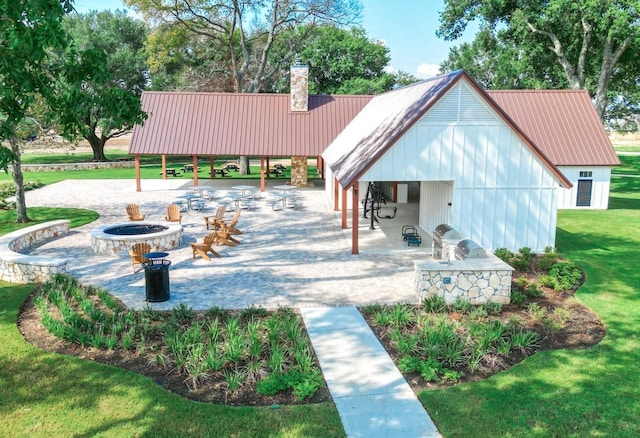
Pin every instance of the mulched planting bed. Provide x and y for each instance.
(581, 329)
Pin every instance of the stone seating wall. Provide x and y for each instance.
(77, 166)
(17, 267)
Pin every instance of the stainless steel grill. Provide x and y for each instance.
(468, 249)
(441, 232)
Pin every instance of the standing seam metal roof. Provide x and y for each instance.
(388, 116)
(562, 123)
(240, 124)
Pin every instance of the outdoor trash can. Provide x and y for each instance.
(156, 277)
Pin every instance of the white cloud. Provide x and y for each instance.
(390, 69)
(425, 70)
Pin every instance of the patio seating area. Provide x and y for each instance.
(297, 257)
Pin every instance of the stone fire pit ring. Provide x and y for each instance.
(160, 235)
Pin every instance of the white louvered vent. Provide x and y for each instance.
(472, 108)
(460, 105)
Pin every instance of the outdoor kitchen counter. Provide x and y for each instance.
(477, 280)
(490, 263)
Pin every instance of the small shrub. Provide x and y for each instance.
(517, 298)
(382, 317)
(532, 291)
(522, 283)
(535, 312)
(304, 385)
(493, 308)
(434, 304)
(216, 312)
(546, 281)
(463, 306)
(522, 261)
(183, 314)
(478, 313)
(253, 311)
(566, 275)
(401, 315)
(525, 340)
(504, 254)
(547, 260)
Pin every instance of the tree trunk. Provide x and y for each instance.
(21, 206)
(243, 162)
(97, 145)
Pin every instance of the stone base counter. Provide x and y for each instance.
(479, 280)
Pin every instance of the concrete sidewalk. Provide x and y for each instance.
(371, 395)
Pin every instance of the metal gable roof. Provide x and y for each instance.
(378, 126)
(240, 124)
(562, 123)
(388, 116)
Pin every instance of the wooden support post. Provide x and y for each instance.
(195, 170)
(212, 165)
(138, 186)
(354, 221)
(336, 194)
(344, 209)
(262, 173)
(164, 166)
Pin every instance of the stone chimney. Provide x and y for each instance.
(299, 86)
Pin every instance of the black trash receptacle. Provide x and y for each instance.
(156, 277)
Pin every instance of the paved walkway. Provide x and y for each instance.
(298, 258)
(371, 395)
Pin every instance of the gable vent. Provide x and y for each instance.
(460, 105)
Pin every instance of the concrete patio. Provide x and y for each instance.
(294, 257)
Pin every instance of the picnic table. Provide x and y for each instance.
(220, 171)
(171, 172)
(273, 171)
(231, 166)
(188, 168)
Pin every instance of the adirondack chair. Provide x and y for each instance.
(133, 211)
(173, 213)
(213, 222)
(205, 247)
(232, 227)
(137, 252)
(223, 236)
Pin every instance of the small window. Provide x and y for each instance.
(586, 174)
(584, 193)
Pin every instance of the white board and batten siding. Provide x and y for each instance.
(502, 194)
(600, 182)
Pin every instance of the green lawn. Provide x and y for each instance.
(147, 171)
(592, 392)
(44, 394)
(589, 392)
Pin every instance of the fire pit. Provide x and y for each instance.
(134, 229)
(111, 239)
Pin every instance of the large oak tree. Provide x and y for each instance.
(105, 73)
(588, 39)
(246, 30)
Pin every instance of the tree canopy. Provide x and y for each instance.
(341, 61)
(243, 32)
(105, 73)
(555, 43)
(29, 30)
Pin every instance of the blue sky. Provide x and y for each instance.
(406, 26)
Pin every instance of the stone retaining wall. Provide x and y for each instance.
(479, 281)
(16, 267)
(77, 166)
